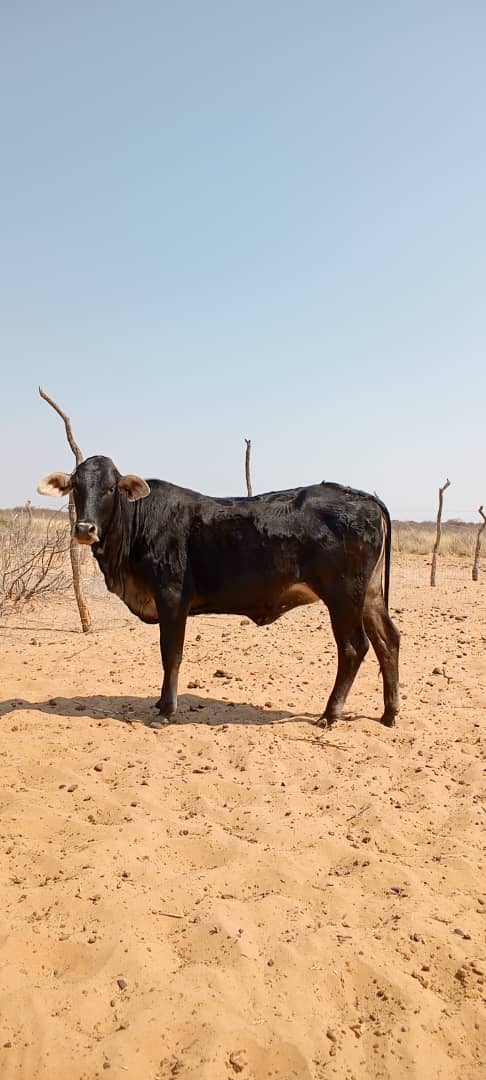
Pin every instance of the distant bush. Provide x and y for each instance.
(32, 557)
(417, 537)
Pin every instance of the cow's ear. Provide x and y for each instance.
(135, 487)
(55, 483)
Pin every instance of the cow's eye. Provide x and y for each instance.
(110, 490)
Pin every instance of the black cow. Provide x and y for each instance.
(169, 552)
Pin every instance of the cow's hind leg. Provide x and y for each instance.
(352, 646)
(385, 639)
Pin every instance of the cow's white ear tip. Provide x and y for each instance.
(135, 486)
(145, 490)
(55, 484)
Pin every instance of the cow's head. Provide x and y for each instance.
(96, 485)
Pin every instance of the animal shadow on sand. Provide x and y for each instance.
(191, 710)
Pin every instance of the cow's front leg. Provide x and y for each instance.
(172, 618)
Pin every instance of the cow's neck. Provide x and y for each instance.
(114, 550)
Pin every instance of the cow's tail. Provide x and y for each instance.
(387, 545)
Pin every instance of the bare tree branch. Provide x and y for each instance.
(247, 467)
(67, 423)
(437, 539)
(475, 569)
(73, 547)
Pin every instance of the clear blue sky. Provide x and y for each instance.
(260, 219)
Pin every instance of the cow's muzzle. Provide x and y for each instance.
(85, 532)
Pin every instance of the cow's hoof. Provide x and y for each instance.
(167, 712)
(388, 719)
(157, 725)
(326, 721)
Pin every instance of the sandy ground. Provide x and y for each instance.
(241, 894)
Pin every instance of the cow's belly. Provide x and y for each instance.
(263, 609)
(293, 596)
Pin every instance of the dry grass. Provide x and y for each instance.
(418, 537)
(37, 515)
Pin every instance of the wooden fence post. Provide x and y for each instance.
(475, 569)
(247, 467)
(73, 546)
(437, 539)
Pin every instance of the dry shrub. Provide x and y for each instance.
(32, 557)
(458, 538)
